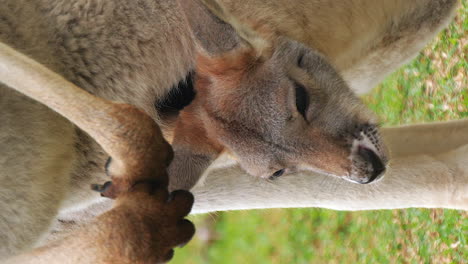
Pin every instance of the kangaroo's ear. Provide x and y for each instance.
(217, 31)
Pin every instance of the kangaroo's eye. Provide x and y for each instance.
(302, 99)
(277, 174)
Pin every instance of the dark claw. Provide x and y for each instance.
(169, 256)
(170, 197)
(101, 187)
(183, 244)
(106, 166)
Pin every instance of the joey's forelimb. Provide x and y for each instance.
(130, 137)
(146, 222)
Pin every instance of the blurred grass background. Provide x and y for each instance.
(432, 87)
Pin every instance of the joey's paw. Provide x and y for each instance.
(118, 185)
(157, 199)
(155, 221)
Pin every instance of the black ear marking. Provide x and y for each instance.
(180, 95)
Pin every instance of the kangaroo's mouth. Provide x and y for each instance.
(377, 167)
(369, 159)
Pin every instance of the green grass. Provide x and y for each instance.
(432, 87)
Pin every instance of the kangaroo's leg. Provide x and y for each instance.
(430, 139)
(36, 155)
(364, 39)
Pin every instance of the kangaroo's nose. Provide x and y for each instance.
(378, 167)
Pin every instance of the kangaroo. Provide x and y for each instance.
(135, 53)
(137, 61)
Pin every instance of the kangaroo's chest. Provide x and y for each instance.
(132, 52)
(128, 51)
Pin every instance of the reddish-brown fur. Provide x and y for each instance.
(232, 63)
(194, 132)
(191, 126)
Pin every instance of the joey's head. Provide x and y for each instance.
(279, 107)
(287, 112)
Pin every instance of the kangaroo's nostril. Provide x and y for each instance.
(378, 167)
